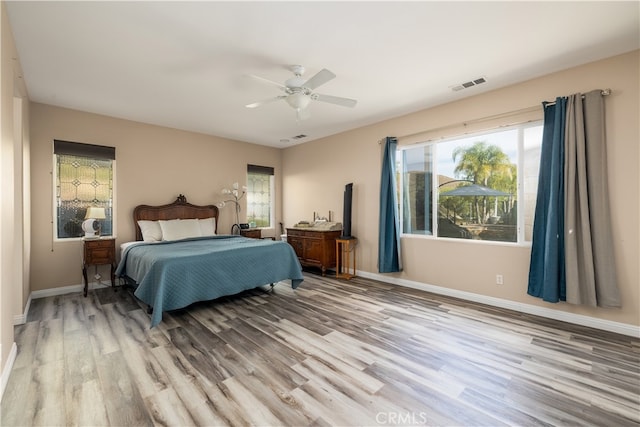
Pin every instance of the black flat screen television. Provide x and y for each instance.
(346, 217)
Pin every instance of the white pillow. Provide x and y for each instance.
(176, 229)
(207, 226)
(151, 231)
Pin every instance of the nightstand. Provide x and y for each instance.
(254, 233)
(99, 251)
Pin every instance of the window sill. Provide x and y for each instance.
(465, 241)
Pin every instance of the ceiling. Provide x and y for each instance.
(187, 65)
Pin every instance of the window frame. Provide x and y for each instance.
(435, 202)
(77, 149)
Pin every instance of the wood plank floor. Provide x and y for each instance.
(329, 353)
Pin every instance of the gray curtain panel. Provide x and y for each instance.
(589, 257)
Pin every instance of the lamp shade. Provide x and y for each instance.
(95, 213)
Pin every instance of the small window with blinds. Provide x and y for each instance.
(83, 178)
(260, 196)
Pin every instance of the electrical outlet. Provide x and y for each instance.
(499, 279)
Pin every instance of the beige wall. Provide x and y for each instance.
(14, 221)
(153, 166)
(315, 174)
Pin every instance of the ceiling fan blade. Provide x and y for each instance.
(271, 82)
(265, 101)
(320, 78)
(345, 102)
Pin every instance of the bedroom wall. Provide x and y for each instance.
(14, 148)
(153, 166)
(315, 174)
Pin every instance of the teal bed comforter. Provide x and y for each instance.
(172, 275)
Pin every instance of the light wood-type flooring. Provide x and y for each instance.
(332, 352)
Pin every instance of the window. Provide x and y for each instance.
(417, 174)
(260, 196)
(480, 187)
(83, 178)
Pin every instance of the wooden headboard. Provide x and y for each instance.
(178, 209)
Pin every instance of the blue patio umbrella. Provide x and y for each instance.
(475, 190)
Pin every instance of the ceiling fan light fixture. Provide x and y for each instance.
(298, 92)
(298, 100)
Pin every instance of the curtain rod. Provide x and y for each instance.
(604, 92)
(470, 122)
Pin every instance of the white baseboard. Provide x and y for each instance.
(578, 319)
(19, 319)
(63, 290)
(6, 369)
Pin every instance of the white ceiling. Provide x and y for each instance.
(185, 64)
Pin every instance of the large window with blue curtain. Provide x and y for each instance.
(479, 186)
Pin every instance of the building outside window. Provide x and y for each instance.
(83, 178)
(260, 196)
(481, 186)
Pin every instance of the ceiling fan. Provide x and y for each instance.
(299, 92)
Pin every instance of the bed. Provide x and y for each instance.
(179, 259)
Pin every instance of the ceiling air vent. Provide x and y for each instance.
(468, 84)
(299, 136)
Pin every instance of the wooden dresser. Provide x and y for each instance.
(313, 247)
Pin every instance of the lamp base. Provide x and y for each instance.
(90, 227)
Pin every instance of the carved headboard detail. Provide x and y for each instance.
(179, 209)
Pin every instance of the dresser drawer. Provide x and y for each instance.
(99, 243)
(254, 233)
(99, 256)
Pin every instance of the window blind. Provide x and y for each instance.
(264, 170)
(83, 150)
